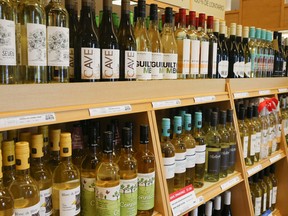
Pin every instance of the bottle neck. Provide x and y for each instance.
(154, 25)
(222, 37)
(8, 168)
(86, 17)
(168, 27)
(23, 172)
(127, 150)
(141, 22)
(55, 154)
(125, 20)
(107, 157)
(66, 159)
(210, 30)
(37, 161)
(165, 138)
(143, 147)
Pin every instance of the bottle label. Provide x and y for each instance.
(71, 63)
(270, 198)
(284, 65)
(258, 142)
(46, 202)
(253, 141)
(128, 197)
(144, 65)
(32, 210)
(214, 161)
(279, 131)
(169, 165)
(236, 68)
(130, 64)
(223, 69)
(7, 42)
(110, 63)
(190, 157)
(247, 69)
(274, 195)
(170, 66)
(257, 208)
(195, 57)
(264, 149)
(241, 69)
(184, 55)
(157, 66)
(253, 61)
(108, 200)
(204, 57)
(69, 201)
(225, 153)
(146, 191)
(88, 196)
(180, 162)
(58, 46)
(232, 154)
(36, 44)
(214, 65)
(264, 202)
(200, 154)
(90, 63)
(245, 146)
(19, 30)
(274, 145)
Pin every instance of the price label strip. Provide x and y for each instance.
(230, 183)
(282, 90)
(254, 170)
(166, 103)
(241, 95)
(275, 158)
(204, 99)
(27, 120)
(110, 110)
(183, 200)
(264, 92)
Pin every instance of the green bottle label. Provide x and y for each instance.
(128, 197)
(108, 200)
(146, 190)
(88, 196)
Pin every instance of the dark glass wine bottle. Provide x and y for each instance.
(247, 54)
(223, 65)
(227, 204)
(241, 64)
(233, 53)
(278, 64)
(212, 60)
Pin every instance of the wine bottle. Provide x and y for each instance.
(41, 174)
(260, 54)
(213, 151)
(275, 185)
(144, 54)
(127, 45)
(168, 154)
(146, 173)
(272, 132)
(227, 204)
(247, 54)
(265, 52)
(212, 60)
(216, 29)
(128, 168)
(7, 203)
(269, 184)
(233, 53)
(107, 181)
(269, 37)
(253, 51)
(283, 57)
(93, 15)
(232, 141)
(241, 64)
(208, 208)
(116, 139)
(252, 136)
(57, 19)
(183, 45)
(33, 42)
(264, 189)
(217, 206)
(73, 23)
(257, 192)
(207, 120)
(8, 168)
(156, 44)
(257, 124)
(265, 143)
(77, 145)
(88, 167)
(24, 188)
(8, 47)
(170, 58)
(66, 181)
(87, 48)
(277, 70)
(54, 138)
(44, 130)
(223, 65)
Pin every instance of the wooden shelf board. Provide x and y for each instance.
(276, 212)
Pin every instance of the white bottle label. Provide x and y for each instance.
(90, 63)
(264, 202)
(236, 68)
(257, 207)
(264, 149)
(270, 198)
(169, 165)
(245, 146)
(170, 66)
(180, 162)
(46, 202)
(253, 142)
(71, 63)
(32, 210)
(58, 46)
(130, 64)
(247, 69)
(36, 44)
(204, 57)
(7, 42)
(157, 66)
(190, 157)
(274, 195)
(195, 57)
(110, 63)
(258, 142)
(69, 201)
(214, 65)
(241, 69)
(223, 68)
(279, 130)
(186, 56)
(200, 154)
(144, 65)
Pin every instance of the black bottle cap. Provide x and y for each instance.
(135, 15)
(111, 127)
(214, 119)
(144, 134)
(168, 15)
(256, 177)
(126, 137)
(223, 117)
(255, 111)
(241, 113)
(267, 171)
(141, 8)
(154, 12)
(272, 168)
(229, 115)
(249, 112)
(108, 142)
(261, 174)
(94, 136)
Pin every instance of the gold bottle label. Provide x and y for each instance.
(65, 145)
(8, 149)
(55, 140)
(22, 154)
(37, 146)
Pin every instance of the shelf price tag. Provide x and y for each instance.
(264, 92)
(204, 99)
(110, 110)
(182, 200)
(283, 90)
(275, 158)
(241, 94)
(166, 103)
(254, 170)
(27, 120)
(230, 183)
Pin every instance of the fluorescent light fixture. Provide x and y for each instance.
(118, 2)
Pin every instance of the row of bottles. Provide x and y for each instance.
(105, 181)
(196, 155)
(284, 114)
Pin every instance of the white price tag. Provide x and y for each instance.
(110, 110)
(230, 183)
(27, 120)
(204, 99)
(241, 95)
(264, 92)
(283, 90)
(254, 170)
(167, 103)
(200, 200)
(275, 158)
(181, 200)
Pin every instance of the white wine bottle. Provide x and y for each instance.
(8, 152)
(24, 188)
(66, 181)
